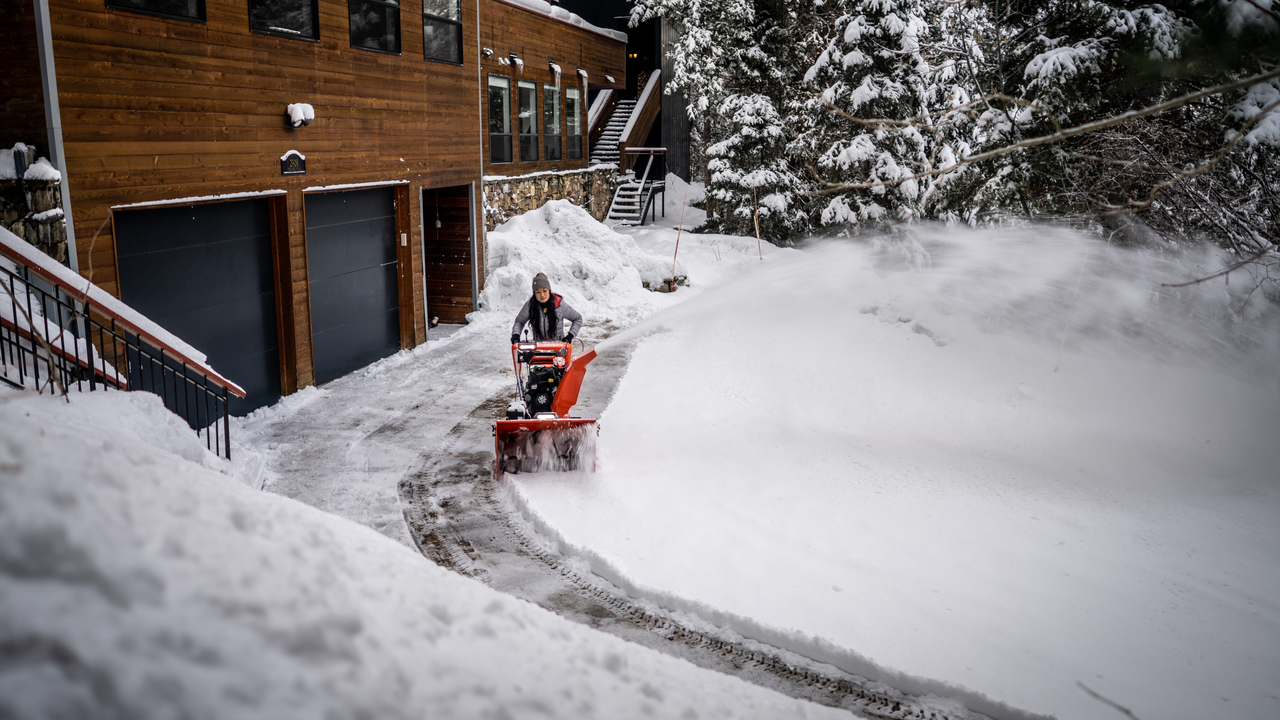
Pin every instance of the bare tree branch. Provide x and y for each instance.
(1054, 137)
(1257, 256)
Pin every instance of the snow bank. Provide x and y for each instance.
(1004, 461)
(136, 580)
(599, 272)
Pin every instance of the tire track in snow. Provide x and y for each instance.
(463, 519)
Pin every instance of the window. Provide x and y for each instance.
(528, 100)
(499, 119)
(180, 9)
(442, 30)
(375, 25)
(551, 121)
(573, 121)
(288, 18)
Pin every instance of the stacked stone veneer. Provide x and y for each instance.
(591, 189)
(32, 210)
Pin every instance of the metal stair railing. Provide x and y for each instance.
(644, 188)
(57, 337)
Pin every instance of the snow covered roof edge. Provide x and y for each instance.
(558, 13)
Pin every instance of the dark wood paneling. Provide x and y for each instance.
(156, 109)
(21, 95)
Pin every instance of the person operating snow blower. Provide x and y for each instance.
(538, 434)
(545, 314)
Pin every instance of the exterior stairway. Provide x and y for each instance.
(606, 149)
(634, 198)
(626, 205)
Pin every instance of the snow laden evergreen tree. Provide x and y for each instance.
(878, 64)
(1068, 63)
(752, 179)
(736, 61)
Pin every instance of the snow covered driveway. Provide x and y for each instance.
(994, 464)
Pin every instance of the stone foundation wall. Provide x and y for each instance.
(32, 210)
(590, 189)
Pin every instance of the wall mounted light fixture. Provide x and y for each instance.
(300, 114)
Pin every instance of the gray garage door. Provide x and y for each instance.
(204, 273)
(351, 263)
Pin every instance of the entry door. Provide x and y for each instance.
(204, 273)
(446, 256)
(351, 263)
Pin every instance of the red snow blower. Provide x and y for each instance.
(538, 435)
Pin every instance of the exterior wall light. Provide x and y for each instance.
(300, 114)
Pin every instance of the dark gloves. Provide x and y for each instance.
(568, 338)
(515, 339)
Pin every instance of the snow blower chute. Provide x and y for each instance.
(538, 435)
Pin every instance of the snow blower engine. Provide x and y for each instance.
(538, 435)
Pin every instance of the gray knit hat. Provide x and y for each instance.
(540, 282)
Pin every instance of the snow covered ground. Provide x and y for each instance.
(138, 580)
(1005, 462)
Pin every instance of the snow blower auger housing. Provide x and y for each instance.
(538, 435)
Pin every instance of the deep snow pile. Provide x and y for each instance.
(600, 272)
(138, 581)
(1008, 462)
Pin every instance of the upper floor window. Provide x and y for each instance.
(180, 9)
(551, 121)
(375, 25)
(573, 121)
(442, 30)
(527, 98)
(499, 119)
(288, 18)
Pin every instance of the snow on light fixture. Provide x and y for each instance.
(610, 78)
(486, 52)
(555, 69)
(515, 60)
(300, 114)
(582, 73)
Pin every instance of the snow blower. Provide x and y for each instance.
(538, 435)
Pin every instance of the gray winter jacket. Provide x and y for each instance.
(563, 312)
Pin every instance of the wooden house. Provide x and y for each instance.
(292, 186)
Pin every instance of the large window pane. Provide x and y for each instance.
(499, 119)
(180, 9)
(573, 122)
(551, 121)
(375, 24)
(290, 18)
(442, 31)
(528, 118)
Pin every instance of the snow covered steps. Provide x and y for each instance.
(606, 149)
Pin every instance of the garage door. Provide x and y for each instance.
(204, 273)
(351, 263)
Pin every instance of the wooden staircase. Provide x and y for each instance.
(606, 148)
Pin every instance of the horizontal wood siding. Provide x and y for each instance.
(155, 109)
(21, 96)
(539, 40)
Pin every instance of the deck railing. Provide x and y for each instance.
(54, 338)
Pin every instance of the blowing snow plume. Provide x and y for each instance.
(1003, 460)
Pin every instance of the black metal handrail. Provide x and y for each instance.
(51, 341)
(649, 187)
